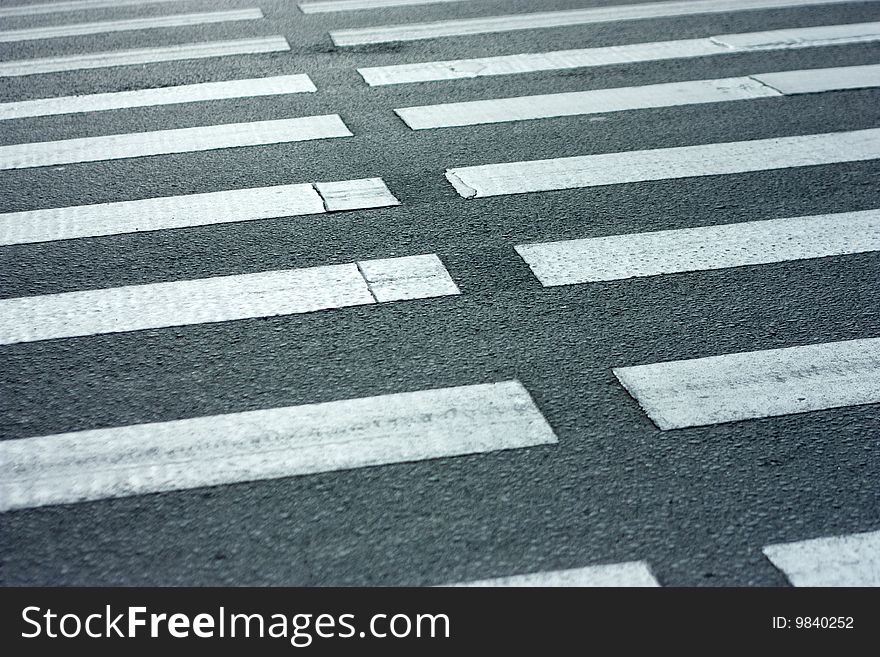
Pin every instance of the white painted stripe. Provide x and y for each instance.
(808, 37)
(189, 93)
(163, 142)
(756, 384)
(822, 79)
(531, 21)
(698, 249)
(217, 299)
(665, 163)
(191, 210)
(851, 560)
(355, 194)
(598, 101)
(326, 6)
(674, 94)
(144, 56)
(126, 25)
(629, 574)
(73, 5)
(269, 444)
(414, 277)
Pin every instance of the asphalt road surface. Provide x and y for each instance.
(564, 469)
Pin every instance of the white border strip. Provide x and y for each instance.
(548, 19)
(269, 444)
(128, 25)
(619, 257)
(164, 142)
(173, 212)
(756, 384)
(222, 298)
(141, 56)
(189, 93)
(665, 163)
(806, 37)
(850, 560)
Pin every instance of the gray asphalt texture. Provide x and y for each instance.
(697, 504)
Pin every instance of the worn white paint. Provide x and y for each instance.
(698, 249)
(628, 574)
(164, 142)
(218, 299)
(548, 19)
(192, 210)
(665, 163)
(851, 560)
(142, 56)
(127, 25)
(189, 93)
(806, 37)
(756, 384)
(268, 444)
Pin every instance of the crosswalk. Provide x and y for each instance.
(496, 411)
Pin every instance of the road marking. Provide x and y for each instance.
(852, 560)
(756, 384)
(269, 444)
(355, 194)
(598, 101)
(172, 212)
(163, 142)
(414, 277)
(807, 37)
(633, 573)
(130, 24)
(618, 257)
(673, 94)
(665, 163)
(140, 56)
(325, 6)
(188, 93)
(220, 299)
(822, 79)
(547, 19)
(73, 5)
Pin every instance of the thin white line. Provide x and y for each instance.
(106, 27)
(189, 93)
(699, 249)
(756, 384)
(665, 163)
(808, 37)
(531, 21)
(269, 444)
(850, 560)
(162, 142)
(73, 5)
(144, 56)
(185, 211)
(326, 6)
(210, 300)
(628, 574)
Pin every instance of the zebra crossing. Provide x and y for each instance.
(492, 414)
